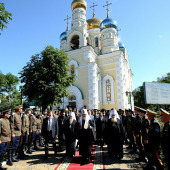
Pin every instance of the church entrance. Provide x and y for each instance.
(72, 105)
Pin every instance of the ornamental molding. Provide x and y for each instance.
(73, 62)
(112, 90)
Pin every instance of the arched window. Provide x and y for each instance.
(108, 90)
(75, 42)
(72, 69)
(88, 41)
(72, 97)
(96, 42)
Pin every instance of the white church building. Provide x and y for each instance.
(99, 61)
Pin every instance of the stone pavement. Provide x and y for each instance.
(102, 161)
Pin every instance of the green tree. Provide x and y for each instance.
(5, 16)
(164, 79)
(9, 96)
(46, 77)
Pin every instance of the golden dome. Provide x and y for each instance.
(94, 23)
(79, 4)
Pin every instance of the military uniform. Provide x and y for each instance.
(154, 143)
(16, 134)
(25, 133)
(38, 132)
(5, 137)
(137, 130)
(32, 134)
(130, 130)
(165, 139)
(44, 115)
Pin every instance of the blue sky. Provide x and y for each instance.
(144, 24)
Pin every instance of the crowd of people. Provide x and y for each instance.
(22, 132)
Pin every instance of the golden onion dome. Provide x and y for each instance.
(94, 23)
(79, 4)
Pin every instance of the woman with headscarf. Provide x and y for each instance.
(70, 134)
(115, 135)
(85, 136)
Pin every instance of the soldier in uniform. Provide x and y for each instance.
(44, 115)
(143, 135)
(154, 161)
(38, 132)
(137, 127)
(165, 141)
(33, 128)
(15, 133)
(25, 132)
(5, 135)
(130, 129)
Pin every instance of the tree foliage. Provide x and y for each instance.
(164, 79)
(9, 96)
(5, 16)
(46, 77)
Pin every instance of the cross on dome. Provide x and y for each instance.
(94, 9)
(107, 5)
(67, 21)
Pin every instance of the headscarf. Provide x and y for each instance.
(114, 112)
(73, 115)
(86, 124)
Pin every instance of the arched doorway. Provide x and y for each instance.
(75, 100)
(72, 101)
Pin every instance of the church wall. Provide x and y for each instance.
(82, 83)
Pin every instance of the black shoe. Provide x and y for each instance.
(36, 148)
(140, 159)
(129, 147)
(15, 160)
(2, 168)
(29, 152)
(133, 152)
(45, 158)
(10, 163)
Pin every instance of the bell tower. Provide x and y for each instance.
(79, 24)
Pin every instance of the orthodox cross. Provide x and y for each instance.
(67, 21)
(107, 5)
(93, 9)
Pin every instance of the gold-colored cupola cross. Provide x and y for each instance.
(107, 5)
(93, 9)
(67, 21)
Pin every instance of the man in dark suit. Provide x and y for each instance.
(100, 129)
(50, 132)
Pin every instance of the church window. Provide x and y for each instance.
(75, 42)
(72, 97)
(72, 69)
(96, 42)
(88, 41)
(108, 90)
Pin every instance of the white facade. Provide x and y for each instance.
(103, 75)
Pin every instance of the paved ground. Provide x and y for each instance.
(102, 161)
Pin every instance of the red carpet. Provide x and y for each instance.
(76, 161)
